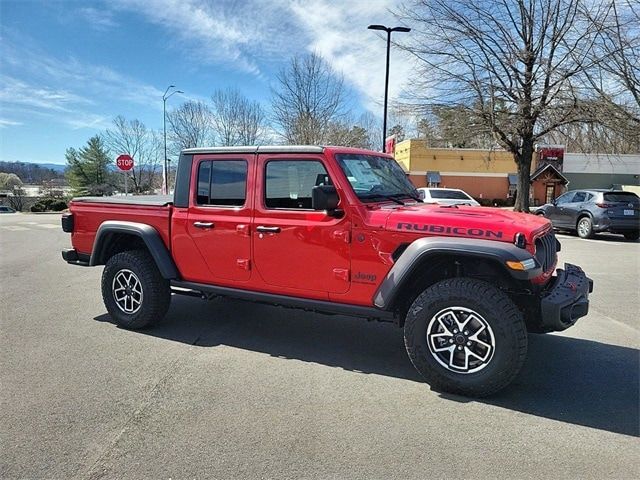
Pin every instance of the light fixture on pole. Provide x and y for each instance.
(165, 171)
(386, 81)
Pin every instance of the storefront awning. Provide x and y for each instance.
(433, 177)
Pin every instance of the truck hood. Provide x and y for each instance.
(461, 221)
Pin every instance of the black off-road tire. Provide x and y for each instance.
(632, 235)
(497, 310)
(584, 227)
(156, 291)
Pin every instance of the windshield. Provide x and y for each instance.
(375, 178)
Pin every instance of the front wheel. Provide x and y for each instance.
(465, 337)
(134, 292)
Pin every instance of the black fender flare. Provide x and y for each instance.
(423, 248)
(149, 236)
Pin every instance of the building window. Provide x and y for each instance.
(513, 184)
(433, 179)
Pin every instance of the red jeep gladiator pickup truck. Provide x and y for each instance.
(339, 231)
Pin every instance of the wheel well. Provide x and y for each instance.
(434, 269)
(116, 242)
(582, 215)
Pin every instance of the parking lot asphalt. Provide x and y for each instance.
(226, 389)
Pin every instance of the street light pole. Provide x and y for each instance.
(165, 170)
(386, 78)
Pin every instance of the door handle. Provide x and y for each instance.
(263, 229)
(203, 224)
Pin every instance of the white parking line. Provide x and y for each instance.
(46, 225)
(15, 228)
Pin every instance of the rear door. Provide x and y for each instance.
(294, 246)
(219, 217)
(573, 209)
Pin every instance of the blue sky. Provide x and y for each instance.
(68, 67)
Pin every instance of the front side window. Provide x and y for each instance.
(288, 183)
(375, 178)
(566, 198)
(222, 183)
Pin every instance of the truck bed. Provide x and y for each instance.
(90, 212)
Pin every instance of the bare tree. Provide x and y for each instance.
(308, 97)
(614, 75)
(236, 119)
(134, 138)
(511, 64)
(190, 125)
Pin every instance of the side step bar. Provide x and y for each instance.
(320, 306)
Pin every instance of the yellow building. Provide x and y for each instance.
(481, 173)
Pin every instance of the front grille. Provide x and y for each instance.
(546, 250)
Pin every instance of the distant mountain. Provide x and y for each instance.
(53, 166)
(33, 172)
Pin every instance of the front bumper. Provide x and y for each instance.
(566, 299)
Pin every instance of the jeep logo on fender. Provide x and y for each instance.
(461, 231)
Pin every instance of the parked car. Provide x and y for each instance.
(5, 209)
(447, 196)
(341, 231)
(592, 211)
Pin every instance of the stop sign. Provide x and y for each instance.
(124, 162)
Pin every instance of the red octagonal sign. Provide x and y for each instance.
(124, 162)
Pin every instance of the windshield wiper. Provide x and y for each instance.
(404, 194)
(382, 195)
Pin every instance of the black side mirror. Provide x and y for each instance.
(325, 197)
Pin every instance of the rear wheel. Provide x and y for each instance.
(585, 227)
(466, 337)
(632, 235)
(134, 292)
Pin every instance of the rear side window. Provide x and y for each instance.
(452, 194)
(579, 197)
(222, 183)
(289, 182)
(627, 197)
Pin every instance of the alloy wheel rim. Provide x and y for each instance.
(127, 291)
(583, 227)
(460, 340)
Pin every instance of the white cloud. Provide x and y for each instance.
(65, 90)
(17, 92)
(339, 33)
(252, 35)
(99, 19)
(4, 122)
(202, 26)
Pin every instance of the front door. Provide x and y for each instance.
(294, 246)
(550, 193)
(559, 215)
(219, 217)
